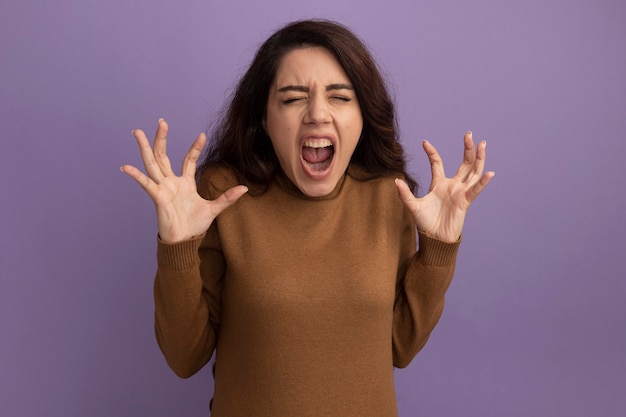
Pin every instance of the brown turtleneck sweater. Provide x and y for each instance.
(308, 302)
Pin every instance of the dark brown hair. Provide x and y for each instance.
(240, 141)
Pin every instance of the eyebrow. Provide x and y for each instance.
(305, 89)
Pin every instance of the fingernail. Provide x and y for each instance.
(122, 168)
(469, 132)
(161, 119)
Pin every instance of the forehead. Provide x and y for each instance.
(310, 64)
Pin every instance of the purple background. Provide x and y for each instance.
(535, 323)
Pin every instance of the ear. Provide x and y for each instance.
(264, 122)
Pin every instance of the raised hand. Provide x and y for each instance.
(441, 212)
(181, 212)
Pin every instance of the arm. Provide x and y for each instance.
(190, 264)
(439, 217)
(187, 301)
(420, 297)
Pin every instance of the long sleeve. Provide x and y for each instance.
(420, 297)
(187, 295)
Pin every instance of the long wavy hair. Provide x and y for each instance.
(240, 141)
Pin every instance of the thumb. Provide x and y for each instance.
(404, 192)
(227, 199)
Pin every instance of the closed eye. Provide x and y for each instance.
(292, 100)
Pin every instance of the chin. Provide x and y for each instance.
(317, 190)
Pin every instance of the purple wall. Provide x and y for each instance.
(535, 323)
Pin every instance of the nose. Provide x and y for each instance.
(317, 111)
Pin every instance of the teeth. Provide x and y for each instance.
(318, 143)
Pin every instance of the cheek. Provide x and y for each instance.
(354, 121)
(277, 124)
(283, 143)
(354, 128)
(282, 134)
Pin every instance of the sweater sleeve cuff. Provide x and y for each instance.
(436, 252)
(178, 256)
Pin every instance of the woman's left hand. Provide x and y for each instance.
(441, 212)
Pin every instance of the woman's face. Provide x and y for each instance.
(313, 119)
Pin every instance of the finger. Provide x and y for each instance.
(404, 192)
(160, 147)
(477, 167)
(146, 183)
(436, 164)
(468, 157)
(191, 158)
(480, 186)
(227, 199)
(147, 156)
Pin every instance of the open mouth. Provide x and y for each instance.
(318, 154)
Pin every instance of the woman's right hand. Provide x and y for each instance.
(181, 212)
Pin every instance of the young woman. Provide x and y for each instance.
(293, 255)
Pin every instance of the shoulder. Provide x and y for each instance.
(377, 184)
(215, 180)
(377, 194)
